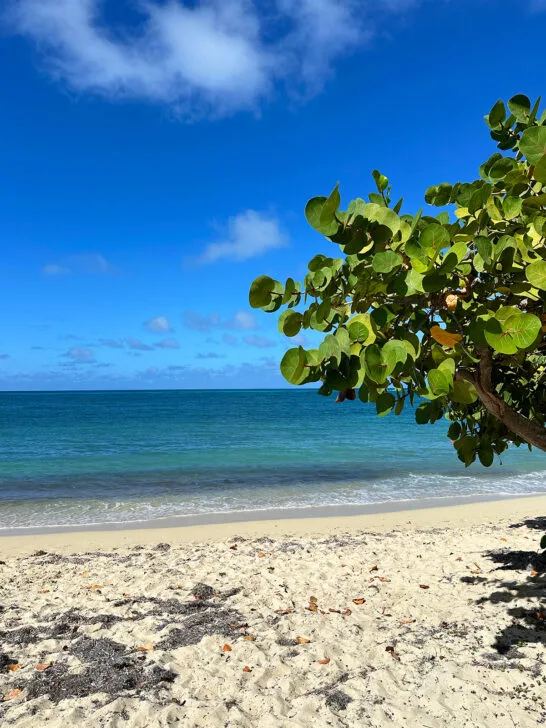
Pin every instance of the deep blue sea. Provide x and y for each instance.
(111, 457)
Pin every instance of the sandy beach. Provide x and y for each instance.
(433, 617)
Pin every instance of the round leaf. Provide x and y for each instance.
(536, 274)
(260, 291)
(540, 170)
(385, 262)
(293, 365)
(533, 143)
(434, 238)
(290, 323)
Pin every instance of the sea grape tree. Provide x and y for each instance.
(445, 312)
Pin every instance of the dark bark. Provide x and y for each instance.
(529, 430)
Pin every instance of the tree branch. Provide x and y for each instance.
(529, 430)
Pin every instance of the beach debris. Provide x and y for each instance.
(338, 700)
(43, 666)
(14, 667)
(284, 611)
(313, 604)
(334, 611)
(394, 654)
(148, 647)
(505, 539)
(383, 579)
(84, 573)
(202, 591)
(249, 637)
(261, 554)
(423, 586)
(93, 587)
(12, 694)
(246, 668)
(459, 558)
(235, 625)
(302, 640)
(226, 648)
(407, 621)
(346, 612)
(324, 661)
(359, 600)
(533, 572)
(234, 547)
(374, 568)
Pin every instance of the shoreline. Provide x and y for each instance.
(319, 520)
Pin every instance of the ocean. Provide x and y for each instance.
(82, 458)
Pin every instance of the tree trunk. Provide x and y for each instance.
(530, 431)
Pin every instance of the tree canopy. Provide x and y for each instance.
(446, 312)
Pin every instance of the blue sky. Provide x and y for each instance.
(157, 157)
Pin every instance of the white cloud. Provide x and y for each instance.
(249, 235)
(92, 263)
(240, 321)
(158, 325)
(203, 56)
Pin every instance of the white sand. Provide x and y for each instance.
(471, 647)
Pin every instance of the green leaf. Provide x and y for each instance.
(486, 455)
(393, 353)
(512, 207)
(518, 331)
(454, 431)
(520, 107)
(533, 143)
(380, 180)
(293, 365)
(479, 198)
(540, 170)
(384, 403)
(434, 238)
(384, 216)
(463, 392)
(523, 328)
(386, 261)
(260, 291)
(497, 114)
(290, 322)
(358, 331)
(501, 168)
(536, 274)
(330, 349)
(440, 382)
(330, 207)
(313, 213)
(423, 413)
(372, 360)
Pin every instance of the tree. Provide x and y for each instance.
(446, 312)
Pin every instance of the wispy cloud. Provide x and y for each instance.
(137, 345)
(210, 355)
(230, 340)
(248, 235)
(209, 56)
(92, 264)
(538, 6)
(259, 341)
(80, 355)
(168, 344)
(240, 321)
(5, 356)
(158, 325)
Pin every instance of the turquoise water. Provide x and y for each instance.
(108, 457)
